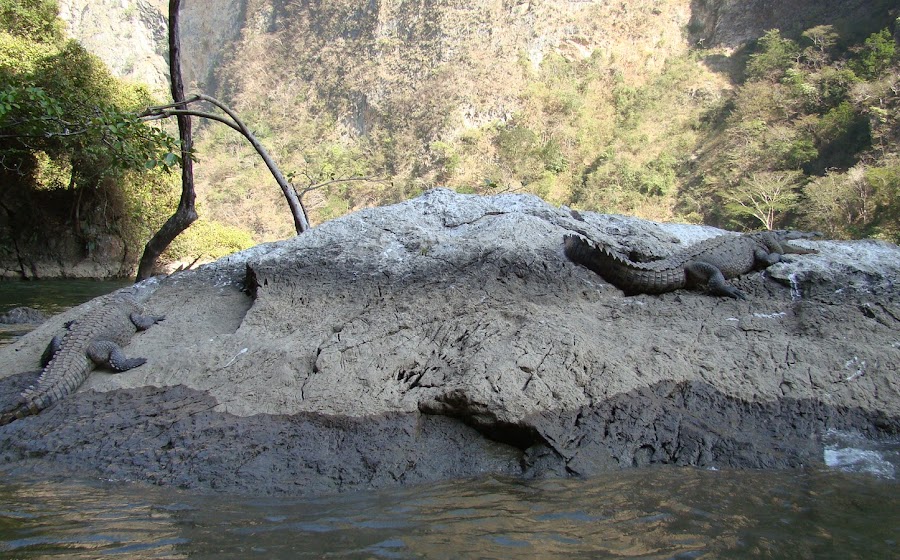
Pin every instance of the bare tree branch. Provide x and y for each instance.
(301, 222)
(191, 113)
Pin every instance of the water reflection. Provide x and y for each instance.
(652, 513)
(75, 520)
(53, 296)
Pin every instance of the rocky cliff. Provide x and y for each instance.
(732, 23)
(448, 336)
(408, 39)
(131, 36)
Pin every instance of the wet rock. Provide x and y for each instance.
(22, 315)
(448, 336)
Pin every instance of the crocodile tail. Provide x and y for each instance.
(616, 270)
(600, 260)
(21, 410)
(630, 277)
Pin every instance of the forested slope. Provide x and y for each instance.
(669, 110)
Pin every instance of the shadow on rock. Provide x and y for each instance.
(173, 436)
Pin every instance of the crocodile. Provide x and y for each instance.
(94, 339)
(708, 262)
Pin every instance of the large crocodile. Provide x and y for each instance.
(92, 340)
(708, 262)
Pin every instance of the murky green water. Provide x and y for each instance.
(665, 512)
(49, 296)
(53, 296)
(655, 513)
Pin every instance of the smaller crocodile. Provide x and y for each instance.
(708, 262)
(94, 339)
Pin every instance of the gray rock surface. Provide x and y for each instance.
(448, 336)
(22, 316)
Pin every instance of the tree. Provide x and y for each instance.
(59, 100)
(823, 39)
(32, 19)
(774, 55)
(876, 54)
(69, 135)
(185, 214)
(181, 110)
(764, 196)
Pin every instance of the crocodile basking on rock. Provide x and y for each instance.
(92, 340)
(708, 262)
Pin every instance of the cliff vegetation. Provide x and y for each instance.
(615, 107)
(85, 182)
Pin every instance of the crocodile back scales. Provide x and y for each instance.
(70, 366)
(732, 254)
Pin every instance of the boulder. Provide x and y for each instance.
(448, 336)
(22, 316)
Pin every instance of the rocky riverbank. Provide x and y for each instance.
(448, 336)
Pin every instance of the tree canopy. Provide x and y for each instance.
(61, 108)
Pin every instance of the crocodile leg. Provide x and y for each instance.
(107, 353)
(52, 349)
(767, 258)
(144, 322)
(54, 346)
(710, 275)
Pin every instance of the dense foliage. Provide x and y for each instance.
(808, 139)
(75, 158)
(73, 154)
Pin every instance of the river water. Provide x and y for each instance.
(49, 296)
(850, 509)
(649, 513)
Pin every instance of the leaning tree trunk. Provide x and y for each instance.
(185, 215)
(301, 222)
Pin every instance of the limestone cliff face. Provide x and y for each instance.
(405, 41)
(131, 36)
(733, 22)
(367, 59)
(465, 61)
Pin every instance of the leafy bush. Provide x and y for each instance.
(773, 57)
(862, 202)
(834, 85)
(31, 19)
(208, 239)
(876, 54)
(69, 132)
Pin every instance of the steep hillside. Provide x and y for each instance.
(596, 104)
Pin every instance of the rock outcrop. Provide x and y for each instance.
(449, 336)
(22, 316)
